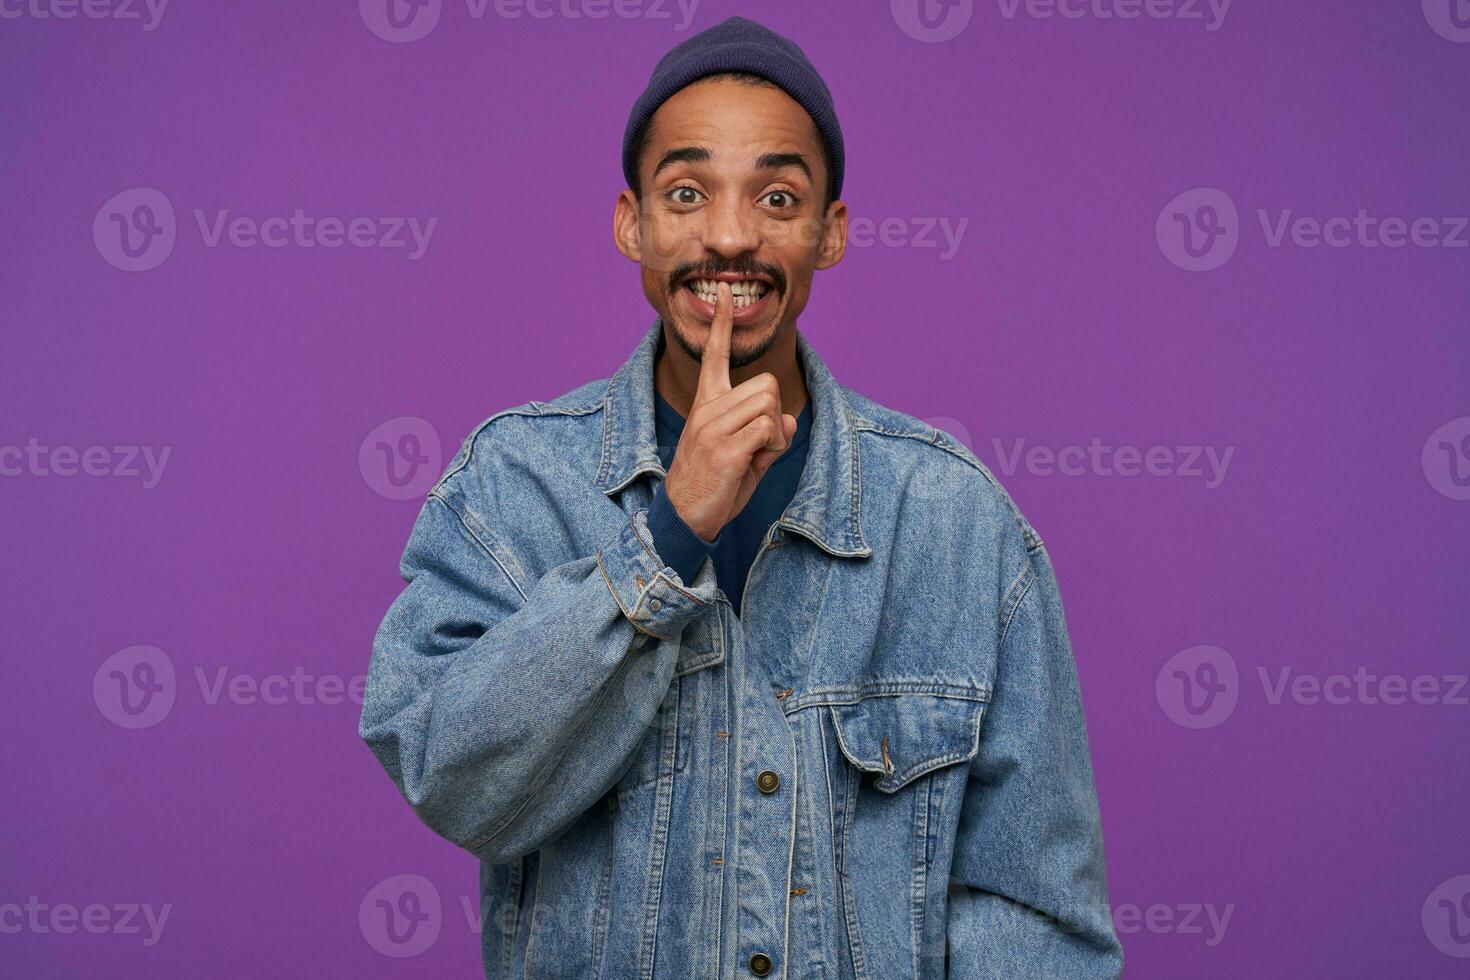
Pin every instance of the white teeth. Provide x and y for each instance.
(744, 292)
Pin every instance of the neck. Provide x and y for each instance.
(676, 374)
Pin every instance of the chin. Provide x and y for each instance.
(747, 343)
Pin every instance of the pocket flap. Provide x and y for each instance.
(903, 736)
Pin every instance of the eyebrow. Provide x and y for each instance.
(766, 161)
(682, 154)
(775, 161)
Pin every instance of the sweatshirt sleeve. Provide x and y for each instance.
(675, 541)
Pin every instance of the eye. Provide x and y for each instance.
(685, 195)
(780, 200)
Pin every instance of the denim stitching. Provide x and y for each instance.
(475, 537)
(1026, 580)
(890, 688)
(616, 598)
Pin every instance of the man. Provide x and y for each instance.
(720, 668)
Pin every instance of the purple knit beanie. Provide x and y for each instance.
(738, 44)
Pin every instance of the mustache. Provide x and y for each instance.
(709, 268)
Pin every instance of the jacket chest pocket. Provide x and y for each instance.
(900, 737)
(897, 774)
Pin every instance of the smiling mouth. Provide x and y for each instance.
(745, 292)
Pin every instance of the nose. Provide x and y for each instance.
(731, 230)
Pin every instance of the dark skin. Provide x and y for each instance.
(734, 189)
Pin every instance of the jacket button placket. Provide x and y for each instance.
(765, 795)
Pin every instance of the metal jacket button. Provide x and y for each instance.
(654, 604)
(760, 964)
(767, 782)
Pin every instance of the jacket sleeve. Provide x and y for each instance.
(502, 714)
(1029, 851)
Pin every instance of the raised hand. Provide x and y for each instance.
(731, 437)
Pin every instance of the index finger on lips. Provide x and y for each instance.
(714, 363)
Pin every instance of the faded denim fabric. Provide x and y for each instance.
(879, 771)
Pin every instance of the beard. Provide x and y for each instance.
(739, 357)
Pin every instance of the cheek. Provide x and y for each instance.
(664, 242)
(796, 240)
(656, 286)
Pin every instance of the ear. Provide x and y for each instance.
(626, 231)
(833, 245)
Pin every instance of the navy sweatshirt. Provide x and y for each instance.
(734, 548)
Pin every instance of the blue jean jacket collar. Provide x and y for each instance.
(826, 507)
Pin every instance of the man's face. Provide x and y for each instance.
(734, 188)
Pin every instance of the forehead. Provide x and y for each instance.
(736, 120)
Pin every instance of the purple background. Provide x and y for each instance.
(265, 548)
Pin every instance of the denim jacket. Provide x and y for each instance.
(880, 770)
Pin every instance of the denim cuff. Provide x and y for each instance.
(674, 540)
(645, 588)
